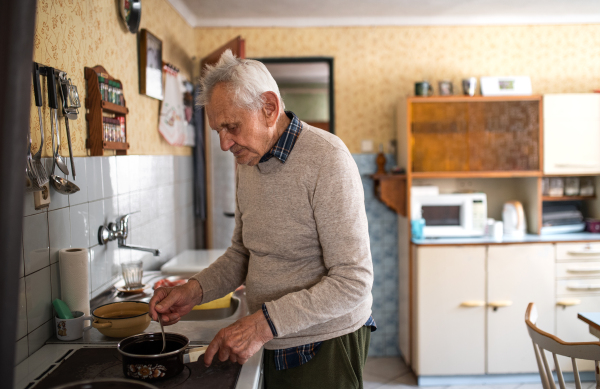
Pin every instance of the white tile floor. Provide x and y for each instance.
(392, 373)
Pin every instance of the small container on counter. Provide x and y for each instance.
(572, 186)
(592, 225)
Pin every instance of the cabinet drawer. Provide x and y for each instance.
(578, 286)
(578, 269)
(577, 251)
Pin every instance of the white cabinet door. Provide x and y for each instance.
(450, 337)
(519, 274)
(572, 133)
(570, 329)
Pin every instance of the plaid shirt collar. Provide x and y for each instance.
(287, 140)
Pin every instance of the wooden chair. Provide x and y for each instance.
(543, 341)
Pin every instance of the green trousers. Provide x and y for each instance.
(338, 364)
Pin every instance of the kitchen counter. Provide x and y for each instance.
(44, 360)
(529, 238)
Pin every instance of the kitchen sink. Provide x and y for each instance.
(214, 314)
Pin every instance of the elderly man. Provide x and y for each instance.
(300, 242)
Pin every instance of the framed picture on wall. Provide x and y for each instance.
(151, 78)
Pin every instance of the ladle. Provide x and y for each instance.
(62, 185)
(163, 335)
(53, 103)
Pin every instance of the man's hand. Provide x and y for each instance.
(173, 303)
(241, 340)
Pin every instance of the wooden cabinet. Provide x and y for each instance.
(470, 303)
(572, 133)
(463, 134)
(517, 274)
(451, 334)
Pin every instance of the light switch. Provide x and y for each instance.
(366, 146)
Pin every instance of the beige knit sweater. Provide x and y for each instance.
(300, 243)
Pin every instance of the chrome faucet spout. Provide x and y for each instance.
(155, 252)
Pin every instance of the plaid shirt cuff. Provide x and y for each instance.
(271, 325)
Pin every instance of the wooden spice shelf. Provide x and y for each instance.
(567, 198)
(476, 174)
(391, 190)
(114, 108)
(95, 108)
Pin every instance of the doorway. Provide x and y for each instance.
(306, 86)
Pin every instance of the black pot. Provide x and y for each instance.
(142, 361)
(107, 383)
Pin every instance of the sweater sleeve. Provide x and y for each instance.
(229, 271)
(341, 220)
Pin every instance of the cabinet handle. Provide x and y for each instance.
(584, 287)
(472, 303)
(582, 164)
(583, 270)
(568, 302)
(499, 304)
(584, 252)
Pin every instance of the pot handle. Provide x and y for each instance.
(192, 354)
(95, 324)
(90, 326)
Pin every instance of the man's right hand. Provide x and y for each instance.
(173, 303)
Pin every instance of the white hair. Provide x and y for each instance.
(246, 78)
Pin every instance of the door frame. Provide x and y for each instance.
(329, 61)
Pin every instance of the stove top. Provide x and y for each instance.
(91, 363)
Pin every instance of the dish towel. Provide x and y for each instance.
(172, 122)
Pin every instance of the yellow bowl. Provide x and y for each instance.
(223, 302)
(120, 320)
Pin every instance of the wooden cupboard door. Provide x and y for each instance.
(517, 275)
(450, 336)
(570, 329)
(571, 133)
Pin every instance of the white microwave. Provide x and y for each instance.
(451, 215)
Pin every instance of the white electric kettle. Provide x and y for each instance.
(514, 219)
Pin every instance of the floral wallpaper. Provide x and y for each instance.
(73, 34)
(376, 66)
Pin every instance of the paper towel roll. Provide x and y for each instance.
(74, 279)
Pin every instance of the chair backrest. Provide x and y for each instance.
(543, 341)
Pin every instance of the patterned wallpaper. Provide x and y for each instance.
(375, 66)
(72, 34)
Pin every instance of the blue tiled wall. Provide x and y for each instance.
(383, 232)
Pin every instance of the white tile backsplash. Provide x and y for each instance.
(59, 229)
(22, 316)
(55, 281)
(96, 219)
(109, 176)
(110, 187)
(39, 336)
(94, 178)
(22, 350)
(124, 175)
(81, 181)
(39, 298)
(80, 226)
(35, 242)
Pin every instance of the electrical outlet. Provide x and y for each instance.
(41, 199)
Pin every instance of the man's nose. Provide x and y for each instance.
(226, 142)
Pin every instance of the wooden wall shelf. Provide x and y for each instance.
(391, 190)
(95, 108)
(567, 198)
(474, 174)
(469, 99)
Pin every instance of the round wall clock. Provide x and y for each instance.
(131, 12)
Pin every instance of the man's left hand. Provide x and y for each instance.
(241, 340)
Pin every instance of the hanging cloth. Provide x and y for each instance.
(172, 122)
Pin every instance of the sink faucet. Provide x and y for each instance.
(120, 231)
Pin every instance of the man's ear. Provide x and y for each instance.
(270, 108)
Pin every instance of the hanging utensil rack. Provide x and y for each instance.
(95, 107)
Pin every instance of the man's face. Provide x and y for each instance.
(244, 133)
